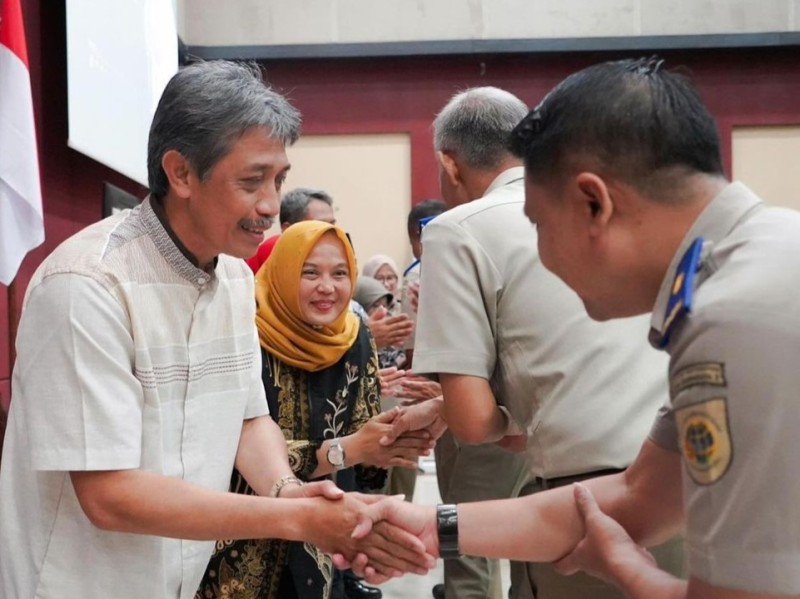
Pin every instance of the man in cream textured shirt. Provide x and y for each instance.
(137, 383)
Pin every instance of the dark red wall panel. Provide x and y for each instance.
(370, 95)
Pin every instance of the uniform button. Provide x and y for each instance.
(310, 582)
(201, 280)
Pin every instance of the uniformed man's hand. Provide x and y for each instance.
(606, 550)
(368, 448)
(386, 519)
(414, 388)
(425, 416)
(390, 550)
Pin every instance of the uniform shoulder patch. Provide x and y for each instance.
(701, 373)
(705, 439)
(680, 298)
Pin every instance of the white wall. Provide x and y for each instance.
(276, 22)
(369, 178)
(767, 159)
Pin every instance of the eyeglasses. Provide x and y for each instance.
(387, 278)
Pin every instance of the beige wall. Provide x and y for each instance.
(276, 22)
(767, 159)
(369, 177)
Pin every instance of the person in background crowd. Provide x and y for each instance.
(423, 211)
(384, 270)
(372, 295)
(299, 204)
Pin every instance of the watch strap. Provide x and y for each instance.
(447, 529)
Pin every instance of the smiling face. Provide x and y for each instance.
(600, 236)
(325, 284)
(229, 211)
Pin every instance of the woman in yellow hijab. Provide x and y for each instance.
(320, 373)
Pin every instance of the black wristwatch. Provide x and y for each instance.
(447, 529)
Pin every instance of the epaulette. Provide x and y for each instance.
(680, 299)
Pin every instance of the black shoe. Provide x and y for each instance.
(355, 589)
(438, 591)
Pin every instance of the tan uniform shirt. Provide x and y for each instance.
(586, 392)
(735, 391)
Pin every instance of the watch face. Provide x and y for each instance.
(336, 455)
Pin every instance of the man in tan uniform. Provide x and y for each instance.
(514, 350)
(625, 180)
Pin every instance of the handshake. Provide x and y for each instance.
(378, 537)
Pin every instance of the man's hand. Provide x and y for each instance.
(425, 416)
(389, 549)
(368, 447)
(414, 388)
(385, 520)
(324, 488)
(606, 550)
(389, 330)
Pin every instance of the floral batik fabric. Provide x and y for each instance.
(309, 407)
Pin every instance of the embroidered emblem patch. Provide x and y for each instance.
(702, 373)
(705, 439)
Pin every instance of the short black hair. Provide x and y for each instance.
(632, 118)
(294, 203)
(421, 210)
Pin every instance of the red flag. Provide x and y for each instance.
(21, 221)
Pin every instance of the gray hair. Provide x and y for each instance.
(295, 203)
(205, 108)
(476, 123)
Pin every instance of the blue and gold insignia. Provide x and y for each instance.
(705, 439)
(680, 299)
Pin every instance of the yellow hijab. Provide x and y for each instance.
(282, 329)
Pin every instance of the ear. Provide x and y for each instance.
(597, 205)
(450, 168)
(178, 171)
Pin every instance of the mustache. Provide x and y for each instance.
(258, 223)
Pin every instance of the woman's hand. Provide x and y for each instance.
(365, 446)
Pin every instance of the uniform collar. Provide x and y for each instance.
(507, 176)
(730, 206)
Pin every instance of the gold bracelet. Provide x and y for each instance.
(282, 482)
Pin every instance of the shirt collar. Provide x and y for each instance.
(161, 214)
(507, 176)
(728, 208)
(170, 247)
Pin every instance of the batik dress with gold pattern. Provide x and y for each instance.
(309, 407)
